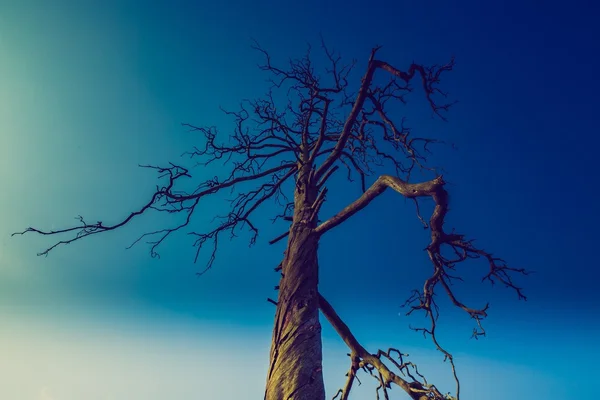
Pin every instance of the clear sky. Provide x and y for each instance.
(88, 90)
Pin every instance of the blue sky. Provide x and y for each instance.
(88, 90)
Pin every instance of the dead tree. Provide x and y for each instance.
(299, 144)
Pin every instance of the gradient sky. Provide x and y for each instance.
(88, 90)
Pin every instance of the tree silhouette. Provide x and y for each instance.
(296, 145)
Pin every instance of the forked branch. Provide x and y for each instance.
(172, 198)
(430, 78)
(362, 359)
(442, 265)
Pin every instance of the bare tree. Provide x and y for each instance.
(298, 145)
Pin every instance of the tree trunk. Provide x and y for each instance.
(295, 369)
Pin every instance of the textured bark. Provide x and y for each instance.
(295, 366)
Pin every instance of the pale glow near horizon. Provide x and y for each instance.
(59, 361)
(73, 364)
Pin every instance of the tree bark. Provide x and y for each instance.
(295, 367)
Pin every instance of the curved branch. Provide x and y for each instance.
(415, 389)
(409, 190)
(464, 250)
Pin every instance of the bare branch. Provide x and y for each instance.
(409, 190)
(167, 199)
(462, 248)
(430, 77)
(280, 237)
(361, 358)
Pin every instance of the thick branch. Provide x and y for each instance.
(409, 190)
(415, 389)
(464, 249)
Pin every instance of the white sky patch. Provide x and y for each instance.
(129, 364)
(45, 394)
(132, 363)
